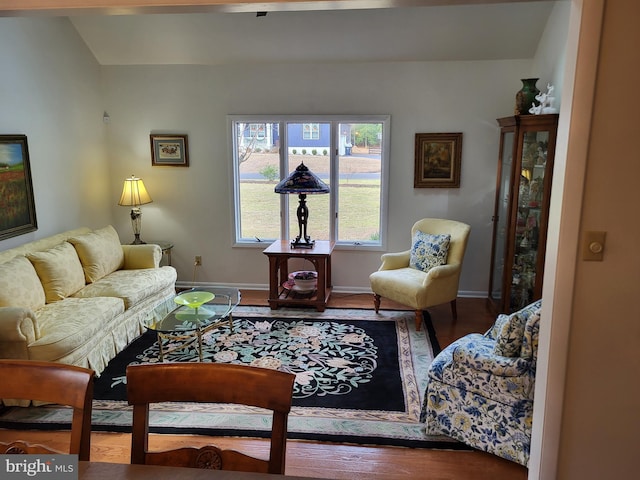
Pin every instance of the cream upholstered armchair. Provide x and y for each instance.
(427, 274)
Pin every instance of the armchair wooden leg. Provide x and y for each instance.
(454, 309)
(418, 320)
(376, 302)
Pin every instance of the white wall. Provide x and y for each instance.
(51, 92)
(192, 206)
(60, 95)
(549, 61)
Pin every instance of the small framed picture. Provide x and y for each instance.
(18, 212)
(171, 150)
(437, 162)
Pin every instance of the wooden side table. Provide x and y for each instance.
(279, 253)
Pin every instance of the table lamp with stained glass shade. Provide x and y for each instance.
(303, 182)
(133, 195)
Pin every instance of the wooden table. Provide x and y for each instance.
(125, 471)
(279, 253)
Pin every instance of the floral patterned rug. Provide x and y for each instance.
(360, 377)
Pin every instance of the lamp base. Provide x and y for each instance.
(136, 223)
(137, 241)
(297, 243)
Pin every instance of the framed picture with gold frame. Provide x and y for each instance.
(168, 149)
(18, 212)
(437, 160)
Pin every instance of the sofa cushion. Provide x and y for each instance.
(20, 285)
(132, 286)
(428, 250)
(41, 244)
(100, 252)
(71, 323)
(60, 271)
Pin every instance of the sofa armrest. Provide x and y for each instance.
(141, 256)
(18, 329)
(393, 261)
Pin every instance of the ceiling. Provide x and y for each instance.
(456, 32)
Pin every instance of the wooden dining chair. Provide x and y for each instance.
(50, 382)
(209, 383)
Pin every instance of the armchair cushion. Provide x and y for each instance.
(428, 250)
(60, 271)
(100, 252)
(20, 285)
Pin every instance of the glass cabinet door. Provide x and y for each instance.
(501, 216)
(530, 203)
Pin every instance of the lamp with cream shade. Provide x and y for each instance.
(133, 195)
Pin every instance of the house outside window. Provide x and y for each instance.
(349, 153)
(311, 131)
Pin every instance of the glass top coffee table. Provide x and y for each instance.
(197, 312)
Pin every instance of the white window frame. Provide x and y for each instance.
(334, 121)
(313, 132)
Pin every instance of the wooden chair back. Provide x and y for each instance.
(56, 383)
(209, 383)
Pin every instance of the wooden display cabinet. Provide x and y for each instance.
(523, 191)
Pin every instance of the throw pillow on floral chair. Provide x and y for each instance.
(480, 388)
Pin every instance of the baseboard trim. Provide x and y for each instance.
(336, 289)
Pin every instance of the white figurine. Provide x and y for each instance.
(545, 102)
(535, 110)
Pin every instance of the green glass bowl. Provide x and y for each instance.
(194, 299)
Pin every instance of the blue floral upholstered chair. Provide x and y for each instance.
(480, 388)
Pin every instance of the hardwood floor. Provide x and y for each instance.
(340, 461)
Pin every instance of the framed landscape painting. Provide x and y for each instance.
(169, 150)
(17, 208)
(437, 160)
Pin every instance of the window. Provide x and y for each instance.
(349, 153)
(311, 131)
(257, 130)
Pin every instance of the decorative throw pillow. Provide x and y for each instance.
(20, 285)
(428, 250)
(60, 271)
(496, 328)
(509, 339)
(530, 337)
(100, 252)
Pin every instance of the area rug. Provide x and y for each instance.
(360, 377)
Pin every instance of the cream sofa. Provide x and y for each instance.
(80, 297)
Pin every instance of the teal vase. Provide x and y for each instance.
(526, 96)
